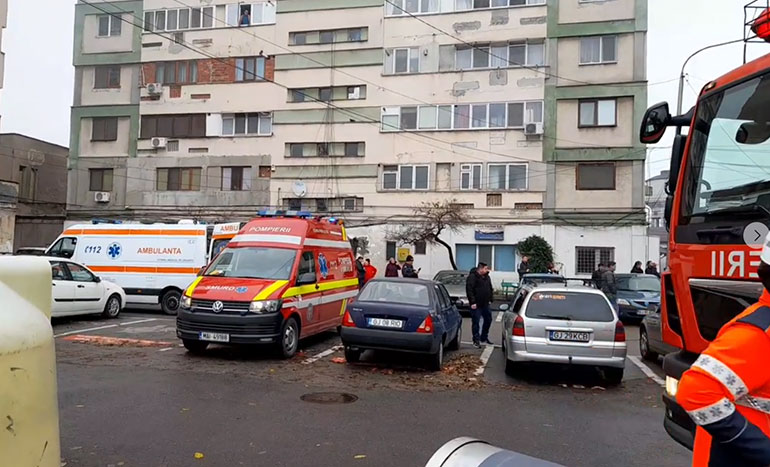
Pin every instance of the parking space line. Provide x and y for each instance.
(139, 322)
(499, 317)
(79, 331)
(484, 359)
(321, 355)
(646, 370)
(166, 349)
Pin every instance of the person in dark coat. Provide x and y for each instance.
(391, 270)
(361, 271)
(652, 268)
(408, 269)
(596, 276)
(523, 267)
(610, 285)
(478, 288)
(637, 269)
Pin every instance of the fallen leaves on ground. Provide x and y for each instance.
(198, 455)
(339, 360)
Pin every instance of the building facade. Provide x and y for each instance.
(364, 109)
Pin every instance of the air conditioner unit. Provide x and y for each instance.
(533, 129)
(159, 142)
(155, 89)
(102, 196)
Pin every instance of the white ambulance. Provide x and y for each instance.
(153, 263)
(221, 236)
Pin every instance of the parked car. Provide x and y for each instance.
(454, 281)
(638, 294)
(409, 315)
(31, 251)
(651, 344)
(78, 291)
(559, 324)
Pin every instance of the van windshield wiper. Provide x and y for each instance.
(563, 318)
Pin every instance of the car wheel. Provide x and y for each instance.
(193, 346)
(437, 359)
(352, 356)
(644, 346)
(170, 301)
(455, 344)
(112, 307)
(289, 340)
(614, 376)
(510, 366)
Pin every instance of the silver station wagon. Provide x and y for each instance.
(553, 323)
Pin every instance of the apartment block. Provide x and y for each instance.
(363, 109)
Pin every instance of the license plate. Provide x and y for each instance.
(569, 336)
(642, 312)
(385, 323)
(214, 337)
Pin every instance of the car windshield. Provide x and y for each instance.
(253, 263)
(452, 279)
(639, 284)
(729, 157)
(395, 292)
(573, 306)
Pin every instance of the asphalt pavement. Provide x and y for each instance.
(131, 396)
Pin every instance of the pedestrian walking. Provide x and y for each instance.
(637, 269)
(596, 276)
(408, 269)
(391, 270)
(361, 271)
(369, 271)
(478, 288)
(726, 391)
(610, 285)
(652, 268)
(523, 267)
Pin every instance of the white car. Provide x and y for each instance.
(78, 291)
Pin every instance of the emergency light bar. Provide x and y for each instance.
(280, 213)
(761, 25)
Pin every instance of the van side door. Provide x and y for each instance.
(89, 293)
(308, 303)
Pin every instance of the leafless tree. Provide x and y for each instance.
(433, 219)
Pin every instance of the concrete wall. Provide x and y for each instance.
(128, 93)
(118, 148)
(569, 135)
(93, 44)
(569, 62)
(567, 197)
(576, 11)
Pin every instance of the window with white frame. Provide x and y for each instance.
(470, 176)
(109, 25)
(462, 116)
(497, 257)
(179, 19)
(406, 7)
(248, 14)
(597, 113)
(260, 123)
(405, 177)
(404, 60)
(236, 178)
(250, 69)
(503, 55)
(598, 49)
(326, 149)
(507, 176)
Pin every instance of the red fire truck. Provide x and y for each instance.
(717, 213)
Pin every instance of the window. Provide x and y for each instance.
(104, 129)
(100, 179)
(598, 49)
(355, 34)
(420, 248)
(247, 124)
(599, 176)
(588, 258)
(236, 178)
(173, 126)
(498, 257)
(295, 204)
(27, 182)
(427, 117)
(405, 177)
(265, 171)
(349, 204)
(593, 113)
(178, 19)
(507, 177)
(390, 250)
(353, 149)
(470, 176)
(405, 61)
(408, 118)
(79, 273)
(526, 54)
(306, 264)
(329, 36)
(350, 149)
(107, 77)
(390, 177)
(648, 190)
(185, 72)
(494, 200)
(250, 69)
(405, 7)
(462, 116)
(179, 179)
(325, 94)
(500, 55)
(109, 25)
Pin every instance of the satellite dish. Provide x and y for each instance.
(299, 188)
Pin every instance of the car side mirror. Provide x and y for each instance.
(201, 271)
(306, 278)
(504, 307)
(654, 123)
(97, 279)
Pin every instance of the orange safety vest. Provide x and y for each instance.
(727, 392)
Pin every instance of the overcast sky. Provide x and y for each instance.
(37, 93)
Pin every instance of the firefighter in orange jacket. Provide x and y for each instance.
(727, 390)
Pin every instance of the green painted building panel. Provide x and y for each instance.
(79, 113)
(131, 11)
(306, 172)
(293, 6)
(343, 58)
(556, 29)
(319, 116)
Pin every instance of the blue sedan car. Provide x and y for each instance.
(409, 315)
(638, 295)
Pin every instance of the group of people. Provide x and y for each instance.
(367, 272)
(650, 268)
(603, 278)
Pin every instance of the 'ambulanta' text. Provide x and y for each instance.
(159, 251)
